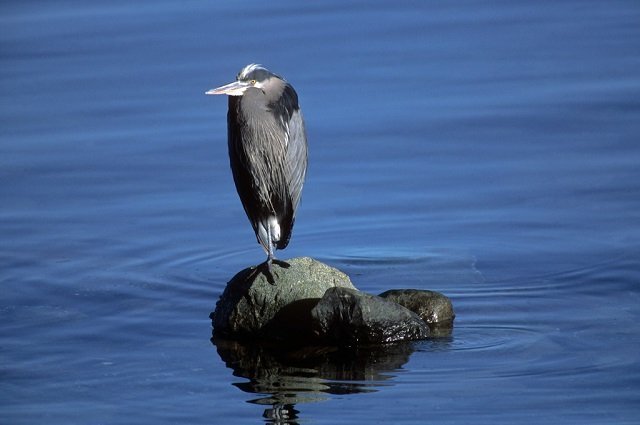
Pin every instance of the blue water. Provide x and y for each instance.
(487, 150)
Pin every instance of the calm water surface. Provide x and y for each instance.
(487, 150)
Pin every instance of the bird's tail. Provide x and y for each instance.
(270, 235)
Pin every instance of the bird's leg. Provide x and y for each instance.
(270, 249)
(269, 260)
(267, 264)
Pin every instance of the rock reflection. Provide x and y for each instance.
(287, 376)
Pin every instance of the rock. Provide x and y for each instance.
(305, 302)
(252, 306)
(432, 307)
(349, 317)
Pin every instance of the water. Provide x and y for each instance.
(485, 150)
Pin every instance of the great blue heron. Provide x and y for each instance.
(268, 152)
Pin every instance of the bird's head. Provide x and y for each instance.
(251, 76)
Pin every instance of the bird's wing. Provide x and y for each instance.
(239, 160)
(296, 156)
(258, 161)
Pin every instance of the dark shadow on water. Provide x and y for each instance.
(286, 377)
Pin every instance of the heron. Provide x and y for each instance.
(267, 144)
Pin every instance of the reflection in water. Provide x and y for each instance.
(288, 376)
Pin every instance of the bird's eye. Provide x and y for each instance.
(253, 82)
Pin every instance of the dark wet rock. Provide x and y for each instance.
(305, 302)
(432, 307)
(275, 305)
(349, 317)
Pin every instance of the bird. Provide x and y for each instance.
(268, 152)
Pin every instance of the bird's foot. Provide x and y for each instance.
(267, 270)
(281, 263)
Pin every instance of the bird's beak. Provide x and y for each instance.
(236, 88)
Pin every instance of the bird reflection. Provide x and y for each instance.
(281, 414)
(286, 377)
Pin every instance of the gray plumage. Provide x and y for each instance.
(267, 151)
